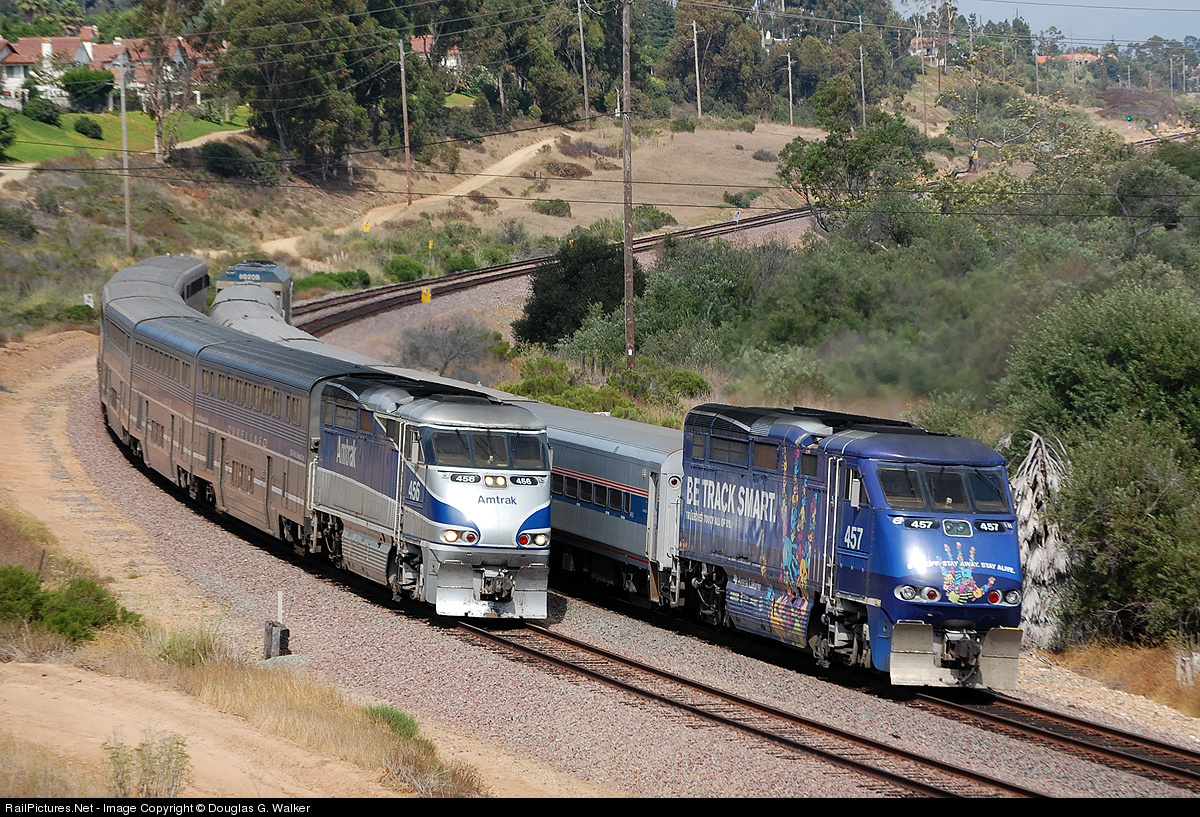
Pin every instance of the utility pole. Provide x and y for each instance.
(123, 61)
(627, 151)
(696, 60)
(862, 73)
(587, 108)
(404, 106)
(791, 111)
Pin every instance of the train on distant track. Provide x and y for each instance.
(868, 542)
(435, 490)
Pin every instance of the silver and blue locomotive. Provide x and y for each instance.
(439, 492)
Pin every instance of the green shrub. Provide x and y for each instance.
(495, 255)
(81, 607)
(351, 279)
(403, 725)
(17, 223)
(686, 383)
(75, 610)
(77, 313)
(231, 161)
(552, 207)
(683, 125)
(89, 127)
(20, 594)
(744, 199)
(1130, 501)
(647, 217)
(460, 263)
(43, 110)
(404, 268)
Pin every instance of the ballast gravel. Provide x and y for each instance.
(575, 726)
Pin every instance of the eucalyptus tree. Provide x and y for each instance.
(166, 72)
(293, 62)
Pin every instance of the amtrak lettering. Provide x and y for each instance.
(497, 500)
(347, 452)
(727, 498)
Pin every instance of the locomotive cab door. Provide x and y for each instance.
(413, 474)
(850, 532)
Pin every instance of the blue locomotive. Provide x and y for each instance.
(437, 491)
(868, 541)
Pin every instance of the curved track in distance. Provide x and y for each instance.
(321, 315)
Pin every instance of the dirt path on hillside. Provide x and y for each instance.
(71, 711)
(378, 215)
(509, 164)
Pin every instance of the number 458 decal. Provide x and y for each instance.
(853, 538)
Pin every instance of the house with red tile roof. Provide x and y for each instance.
(48, 57)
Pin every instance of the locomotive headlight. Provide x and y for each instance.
(450, 536)
(541, 539)
(1012, 597)
(906, 592)
(494, 481)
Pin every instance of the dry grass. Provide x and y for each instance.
(284, 701)
(1145, 671)
(32, 645)
(27, 770)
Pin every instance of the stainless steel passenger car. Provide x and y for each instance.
(308, 447)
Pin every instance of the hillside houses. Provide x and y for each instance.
(45, 59)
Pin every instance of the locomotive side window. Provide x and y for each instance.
(698, 446)
(415, 452)
(766, 456)
(808, 465)
(345, 417)
(854, 489)
(734, 452)
(901, 488)
(366, 422)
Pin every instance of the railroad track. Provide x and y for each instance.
(1118, 749)
(319, 316)
(897, 772)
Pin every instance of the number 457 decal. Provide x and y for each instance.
(853, 538)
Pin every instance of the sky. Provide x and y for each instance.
(1095, 22)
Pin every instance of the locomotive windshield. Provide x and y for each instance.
(958, 489)
(485, 449)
